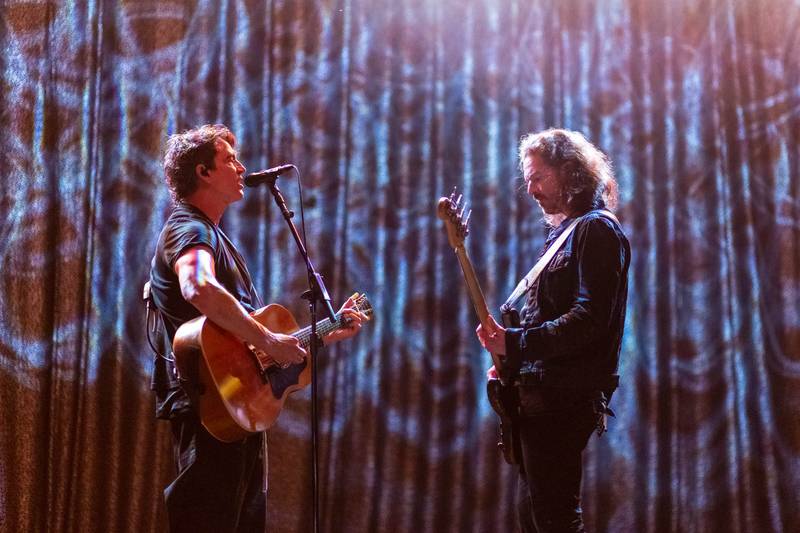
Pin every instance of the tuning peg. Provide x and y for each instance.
(453, 195)
(466, 220)
(463, 207)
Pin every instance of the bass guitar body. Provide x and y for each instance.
(236, 394)
(505, 403)
(503, 399)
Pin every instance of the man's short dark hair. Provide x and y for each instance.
(184, 151)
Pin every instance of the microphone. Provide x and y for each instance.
(266, 176)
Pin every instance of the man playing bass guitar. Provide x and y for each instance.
(563, 358)
(196, 270)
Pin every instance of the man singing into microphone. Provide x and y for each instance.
(196, 270)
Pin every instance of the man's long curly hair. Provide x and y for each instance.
(584, 172)
(184, 151)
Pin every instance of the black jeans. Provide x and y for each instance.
(219, 485)
(549, 484)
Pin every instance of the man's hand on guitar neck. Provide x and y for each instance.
(493, 337)
(355, 318)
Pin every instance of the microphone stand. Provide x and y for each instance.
(316, 293)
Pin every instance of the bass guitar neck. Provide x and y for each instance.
(502, 398)
(475, 294)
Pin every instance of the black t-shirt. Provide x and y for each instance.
(186, 228)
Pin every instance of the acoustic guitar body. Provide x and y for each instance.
(235, 396)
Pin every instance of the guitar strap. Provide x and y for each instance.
(527, 282)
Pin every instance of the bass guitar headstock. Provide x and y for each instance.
(451, 211)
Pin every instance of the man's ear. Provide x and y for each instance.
(201, 171)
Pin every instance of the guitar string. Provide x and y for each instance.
(323, 328)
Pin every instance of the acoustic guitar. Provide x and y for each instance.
(241, 390)
(502, 397)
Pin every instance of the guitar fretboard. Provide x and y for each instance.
(324, 327)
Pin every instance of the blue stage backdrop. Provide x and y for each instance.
(384, 106)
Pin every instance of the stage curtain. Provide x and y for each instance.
(385, 106)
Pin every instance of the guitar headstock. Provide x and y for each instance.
(451, 212)
(362, 305)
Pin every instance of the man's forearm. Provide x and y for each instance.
(219, 306)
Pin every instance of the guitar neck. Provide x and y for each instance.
(475, 294)
(473, 286)
(324, 327)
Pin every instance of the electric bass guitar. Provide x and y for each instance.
(501, 396)
(241, 390)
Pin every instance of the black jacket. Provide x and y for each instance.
(573, 319)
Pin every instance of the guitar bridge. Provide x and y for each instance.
(262, 360)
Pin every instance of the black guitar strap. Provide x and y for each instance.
(510, 317)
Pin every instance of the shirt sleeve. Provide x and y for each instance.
(601, 256)
(185, 235)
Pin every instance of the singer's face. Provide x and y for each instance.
(227, 176)
(542, 182)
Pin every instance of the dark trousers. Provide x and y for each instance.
(549, 484)
(219, 485)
